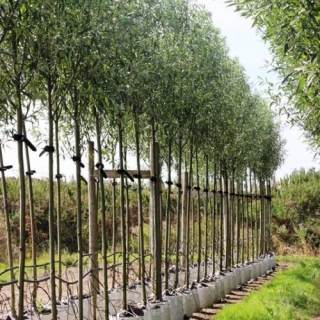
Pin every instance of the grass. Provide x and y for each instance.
(292, 295)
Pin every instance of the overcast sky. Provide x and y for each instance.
(246, 44)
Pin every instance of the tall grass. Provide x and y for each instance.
(292, 295)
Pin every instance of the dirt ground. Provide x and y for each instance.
(68, 291)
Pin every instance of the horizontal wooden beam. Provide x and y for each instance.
(113, 174)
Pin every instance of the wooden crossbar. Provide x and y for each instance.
(113, 174)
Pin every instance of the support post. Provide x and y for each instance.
(93, 227)
(155, 219)
(184, 230)
(262, 218)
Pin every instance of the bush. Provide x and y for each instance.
(296, 211)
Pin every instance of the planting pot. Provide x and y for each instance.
(152, 314)
(115, 299)
(165, 310)
(190, 303)
(238, 273)
(205, 297)
(176, 306)
(222, 291)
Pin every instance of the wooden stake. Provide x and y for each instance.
(155, 220)
(93, 227)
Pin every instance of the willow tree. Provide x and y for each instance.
(16, 72)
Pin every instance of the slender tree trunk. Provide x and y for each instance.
(93, 227)
(251, 216)
(227, 220)
(257, 218)
(123, 220)
(184, 219)
(155, 219)
(232, 218)
(114, 226)
(206, 216)
(178, 223)
(269, 212)
(242, 222)
(238, 221)
(198, 219)
(8, 233)
(32, 224)
(189, 202)
(20, 121)
(168, 217)
(262, 218)
(221, 221)
(127, 209)
(58, 193)
(51, 201)
(103, 225)
(213, 223)
(140, 213)
(79, 210)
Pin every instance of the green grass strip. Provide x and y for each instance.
(292, 295)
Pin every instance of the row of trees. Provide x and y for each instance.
(162, 65)
(125, 73)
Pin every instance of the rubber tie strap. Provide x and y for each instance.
(23, 138)
(137, 176)
(126, 173)
(189, 187)
(114, 183)
(206, 190)
(30, 172)
(178, 185)
(5, 168)
(214, 191)
(59, 176)
(47, 149)
(153, 179)
(169, 183)
(84, 180)
(78, 159)
(127, 186)
(100, 167)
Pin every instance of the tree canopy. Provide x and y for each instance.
(291, 28)
(163, 64)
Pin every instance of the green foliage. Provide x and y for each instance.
(295, 210)
(292, 294)
(291, 29)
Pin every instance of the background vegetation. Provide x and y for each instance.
(296, 213)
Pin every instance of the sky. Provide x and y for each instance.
(245, 43)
